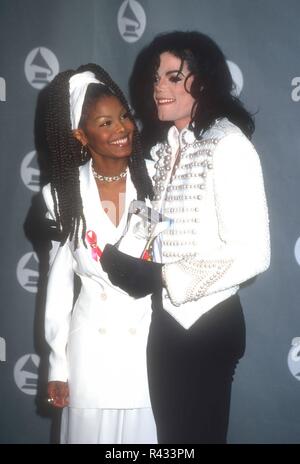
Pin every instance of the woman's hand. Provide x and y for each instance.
(58, 394)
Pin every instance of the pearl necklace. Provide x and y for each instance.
(109, 178)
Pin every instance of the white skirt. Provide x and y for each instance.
(108, 426)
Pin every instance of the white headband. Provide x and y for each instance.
(78, 85)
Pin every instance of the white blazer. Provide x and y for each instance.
(220, 233)
(99, 347)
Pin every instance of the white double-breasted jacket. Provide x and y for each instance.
(99, 346)
(220, 232)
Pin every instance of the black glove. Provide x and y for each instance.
(135, 276)
(51, 230)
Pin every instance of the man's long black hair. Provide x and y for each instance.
(212, 87)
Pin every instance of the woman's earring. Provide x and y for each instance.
(83, 153)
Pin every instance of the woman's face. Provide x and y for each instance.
(107, 131)
(171, 91)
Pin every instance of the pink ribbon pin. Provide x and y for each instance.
(91, 238)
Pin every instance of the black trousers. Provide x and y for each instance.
(191, 371)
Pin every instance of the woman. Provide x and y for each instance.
(208, 180)
(98, 348)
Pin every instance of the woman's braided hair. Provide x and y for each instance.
(66, 154)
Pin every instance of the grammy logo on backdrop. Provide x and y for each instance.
(131, 20)
(28, 272)
(2, 89)
(41, 66)
(2, 349)
(42, 71)
(26, 373)
(30, 172)
(132, 24)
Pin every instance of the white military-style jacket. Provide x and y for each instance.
(220, 233)
(99, 346)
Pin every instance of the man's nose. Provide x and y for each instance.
(161, 83)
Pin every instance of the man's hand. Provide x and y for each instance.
(135, 276)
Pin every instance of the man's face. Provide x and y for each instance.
(171, 91)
